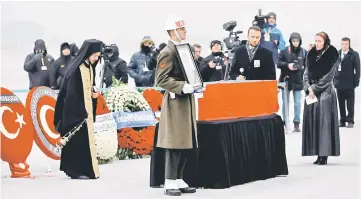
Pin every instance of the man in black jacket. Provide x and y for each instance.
(253, 62)
(291, 61)
(37, 64)
(114, 66)
(212, 67)
(347, 78)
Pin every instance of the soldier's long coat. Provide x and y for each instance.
(178, 116)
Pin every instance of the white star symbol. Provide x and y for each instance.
(20, 119)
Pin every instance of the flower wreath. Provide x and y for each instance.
(133, 143)
(105, 139)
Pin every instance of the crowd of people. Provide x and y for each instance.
(316, 71)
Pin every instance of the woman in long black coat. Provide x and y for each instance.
(320, 133)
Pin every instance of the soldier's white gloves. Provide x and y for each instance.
(187, 88)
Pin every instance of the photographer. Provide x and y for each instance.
(38, 64)
(154, 56)
(152, 65)
(212, 68)
(291, 61)
(114, 66)
(272, 38)
(138, 65)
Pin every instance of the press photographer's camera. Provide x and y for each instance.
(108, 51)
(154, 55)
(232, 41)
(216, 59)
(259, 20)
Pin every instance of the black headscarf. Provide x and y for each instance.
(88, 48)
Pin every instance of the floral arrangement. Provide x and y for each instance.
(105, 133)
(120, 97)
(102, 107)
(133, 143)
(139, 142)
(154, 98)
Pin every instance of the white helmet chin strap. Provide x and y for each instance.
(176, 33)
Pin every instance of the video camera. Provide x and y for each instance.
(154, 52)
(259, 20)
(106, 54)
(232, 41)
(108, 51)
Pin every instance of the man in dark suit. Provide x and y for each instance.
(253, 62)
(347, 78)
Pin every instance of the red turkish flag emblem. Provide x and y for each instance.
(40, 105)
(179, 24)
(15, 128)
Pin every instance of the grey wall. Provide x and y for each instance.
(125, 23)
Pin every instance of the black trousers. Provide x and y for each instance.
(175, 161)
(346, 96)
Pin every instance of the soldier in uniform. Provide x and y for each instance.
(177, 127)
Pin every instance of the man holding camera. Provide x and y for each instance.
(139, 62)
(114, 66)
(272, 38)
(292, 61)
(212, 68)
(252, 61)
(38, 64)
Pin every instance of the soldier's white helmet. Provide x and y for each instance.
(174, 23)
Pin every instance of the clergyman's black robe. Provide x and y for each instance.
(74, 104)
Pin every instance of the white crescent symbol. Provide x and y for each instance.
(44, 123)
(10, 136)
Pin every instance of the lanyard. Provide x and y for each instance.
(270, 30)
